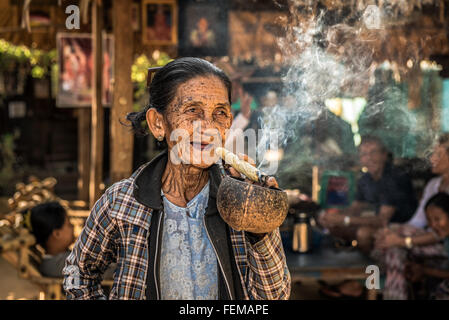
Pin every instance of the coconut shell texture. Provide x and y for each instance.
(250, 207)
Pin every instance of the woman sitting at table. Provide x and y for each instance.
(398, 242)
(162, 225)
(437, 212)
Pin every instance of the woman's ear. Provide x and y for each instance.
(155, 122)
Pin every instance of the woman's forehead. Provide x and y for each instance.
(202, 87)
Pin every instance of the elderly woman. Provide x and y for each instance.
(161, 225)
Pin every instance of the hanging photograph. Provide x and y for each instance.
(75, 62)
(159, 22)
(40, 18)
(203, 28)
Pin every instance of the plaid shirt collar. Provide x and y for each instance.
(147, 182)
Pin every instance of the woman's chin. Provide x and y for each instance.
(202, 162)
(205, 165)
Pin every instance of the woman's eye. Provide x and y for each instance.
(190, 110)
(221, 113)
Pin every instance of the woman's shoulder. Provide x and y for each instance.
(433, 183)
(122, 204)
(125, 186)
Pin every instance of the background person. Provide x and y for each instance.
(51, 227)
(437, 211)
(383, 187)
(396, 244)
(53, 231)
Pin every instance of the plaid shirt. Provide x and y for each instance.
(117, 230)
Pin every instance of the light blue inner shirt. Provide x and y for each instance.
(188, 266)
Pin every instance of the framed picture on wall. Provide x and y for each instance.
(203, 28)
(75, 68)
(159, 22)
(337, 189)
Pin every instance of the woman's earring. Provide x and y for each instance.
(160, 138)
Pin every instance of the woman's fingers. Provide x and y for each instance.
(271, 182)
(247, 159)
(234, 172)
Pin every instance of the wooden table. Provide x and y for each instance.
(327, 263)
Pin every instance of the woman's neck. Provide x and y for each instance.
(181, 183)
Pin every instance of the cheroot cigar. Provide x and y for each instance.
(240, 165)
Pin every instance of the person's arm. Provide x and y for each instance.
(415, 272)
(268, 275)
(91, 255)
(329, 219)
(436, 273)
(392, 239)
(381, 220)
(355, 209)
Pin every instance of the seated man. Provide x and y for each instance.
(51, 226)
(383, 187)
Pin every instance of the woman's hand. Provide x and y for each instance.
(271, 181)
(331, 219)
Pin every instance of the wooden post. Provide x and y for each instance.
(315, 183)
(121, 137)
(83, 153)
(96, 163)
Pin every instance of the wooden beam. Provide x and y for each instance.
(96, 162)
(121, 137)
(83, 153)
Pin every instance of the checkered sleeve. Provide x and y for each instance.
(268, 275)
(92, 253)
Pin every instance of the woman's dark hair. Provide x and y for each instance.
(45, 218)
(166, 81)
(440, 200)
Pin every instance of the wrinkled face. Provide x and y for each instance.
(438, 220)
(197, 120)
(440, 160)
(372, 157)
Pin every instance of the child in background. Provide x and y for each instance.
(53, 231)
(437, 212)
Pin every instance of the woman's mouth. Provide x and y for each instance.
(201, 145)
